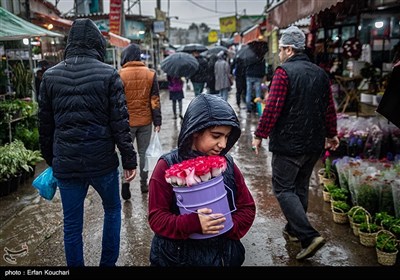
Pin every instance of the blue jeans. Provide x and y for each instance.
(224, 93)
(198, 88)
(73, 192)
(252, 83)
(290, 183)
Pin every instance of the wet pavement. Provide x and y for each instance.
(29, 221)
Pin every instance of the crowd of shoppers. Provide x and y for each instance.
(89, 112)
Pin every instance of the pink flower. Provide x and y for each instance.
(193, 171)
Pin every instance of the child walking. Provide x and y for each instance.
(175, 87)
(210, 127)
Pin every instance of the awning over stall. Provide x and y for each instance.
(289, 11)
(13, 27)
(118, 41)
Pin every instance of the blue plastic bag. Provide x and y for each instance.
(46, 184)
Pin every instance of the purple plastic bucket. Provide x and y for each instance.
(210, 194)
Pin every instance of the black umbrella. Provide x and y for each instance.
(215, 50)
(247, 55)
(252, 52)
(192, 48)
(180, 64)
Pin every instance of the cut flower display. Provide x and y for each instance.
(193, 171)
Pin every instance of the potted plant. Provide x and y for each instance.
(339, 212)
(328, 175)
(339, 194)
(386, 247)
(367, 232)
(326, 191)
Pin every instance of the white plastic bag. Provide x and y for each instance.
(153, 152)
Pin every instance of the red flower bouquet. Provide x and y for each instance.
(193, 171)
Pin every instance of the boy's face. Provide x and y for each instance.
(212, 141)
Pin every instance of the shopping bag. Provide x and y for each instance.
(46, 184)
(153, 152)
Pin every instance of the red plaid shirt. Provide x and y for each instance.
(275, 102)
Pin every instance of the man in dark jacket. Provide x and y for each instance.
(82, 118)
(199, 78)
(300, 120)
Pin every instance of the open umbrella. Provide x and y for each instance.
(180, 64)
(252, 52)
(215, 50)
(194, 47)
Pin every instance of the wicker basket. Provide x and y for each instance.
(367, 239)
(385, 258)
(354, 225)
(326, 196)
(339, 216)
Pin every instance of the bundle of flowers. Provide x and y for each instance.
(193, 171)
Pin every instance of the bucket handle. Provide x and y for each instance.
(233, 201)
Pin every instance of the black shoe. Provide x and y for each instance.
(125, 192)
(144, 188)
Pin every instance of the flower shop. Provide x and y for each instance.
(365, 180)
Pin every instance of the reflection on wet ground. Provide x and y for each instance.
(26, 218)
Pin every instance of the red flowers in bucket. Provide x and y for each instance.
(193, 171)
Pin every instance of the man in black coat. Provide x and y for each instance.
(82, 119)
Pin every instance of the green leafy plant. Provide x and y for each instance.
(339, 194)
(340, 206)
(330, 187)
(369, 227)
(386, 242)
(22, 80)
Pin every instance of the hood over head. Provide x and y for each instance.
(205, 111)
(85, 38)
(130, 53)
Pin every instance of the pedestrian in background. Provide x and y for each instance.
(255, 74)
(175, 88)
(82, 117)
(210, 127)
(211, 76)
(143, 101)
(222, 72)
(300, 120)
(199, 78)
(240, 80)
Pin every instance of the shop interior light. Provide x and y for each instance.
(25, 41)
(378, 24)
(50, 26)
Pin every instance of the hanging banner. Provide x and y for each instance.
(115, 16)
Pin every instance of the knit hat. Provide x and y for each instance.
(293, 37)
